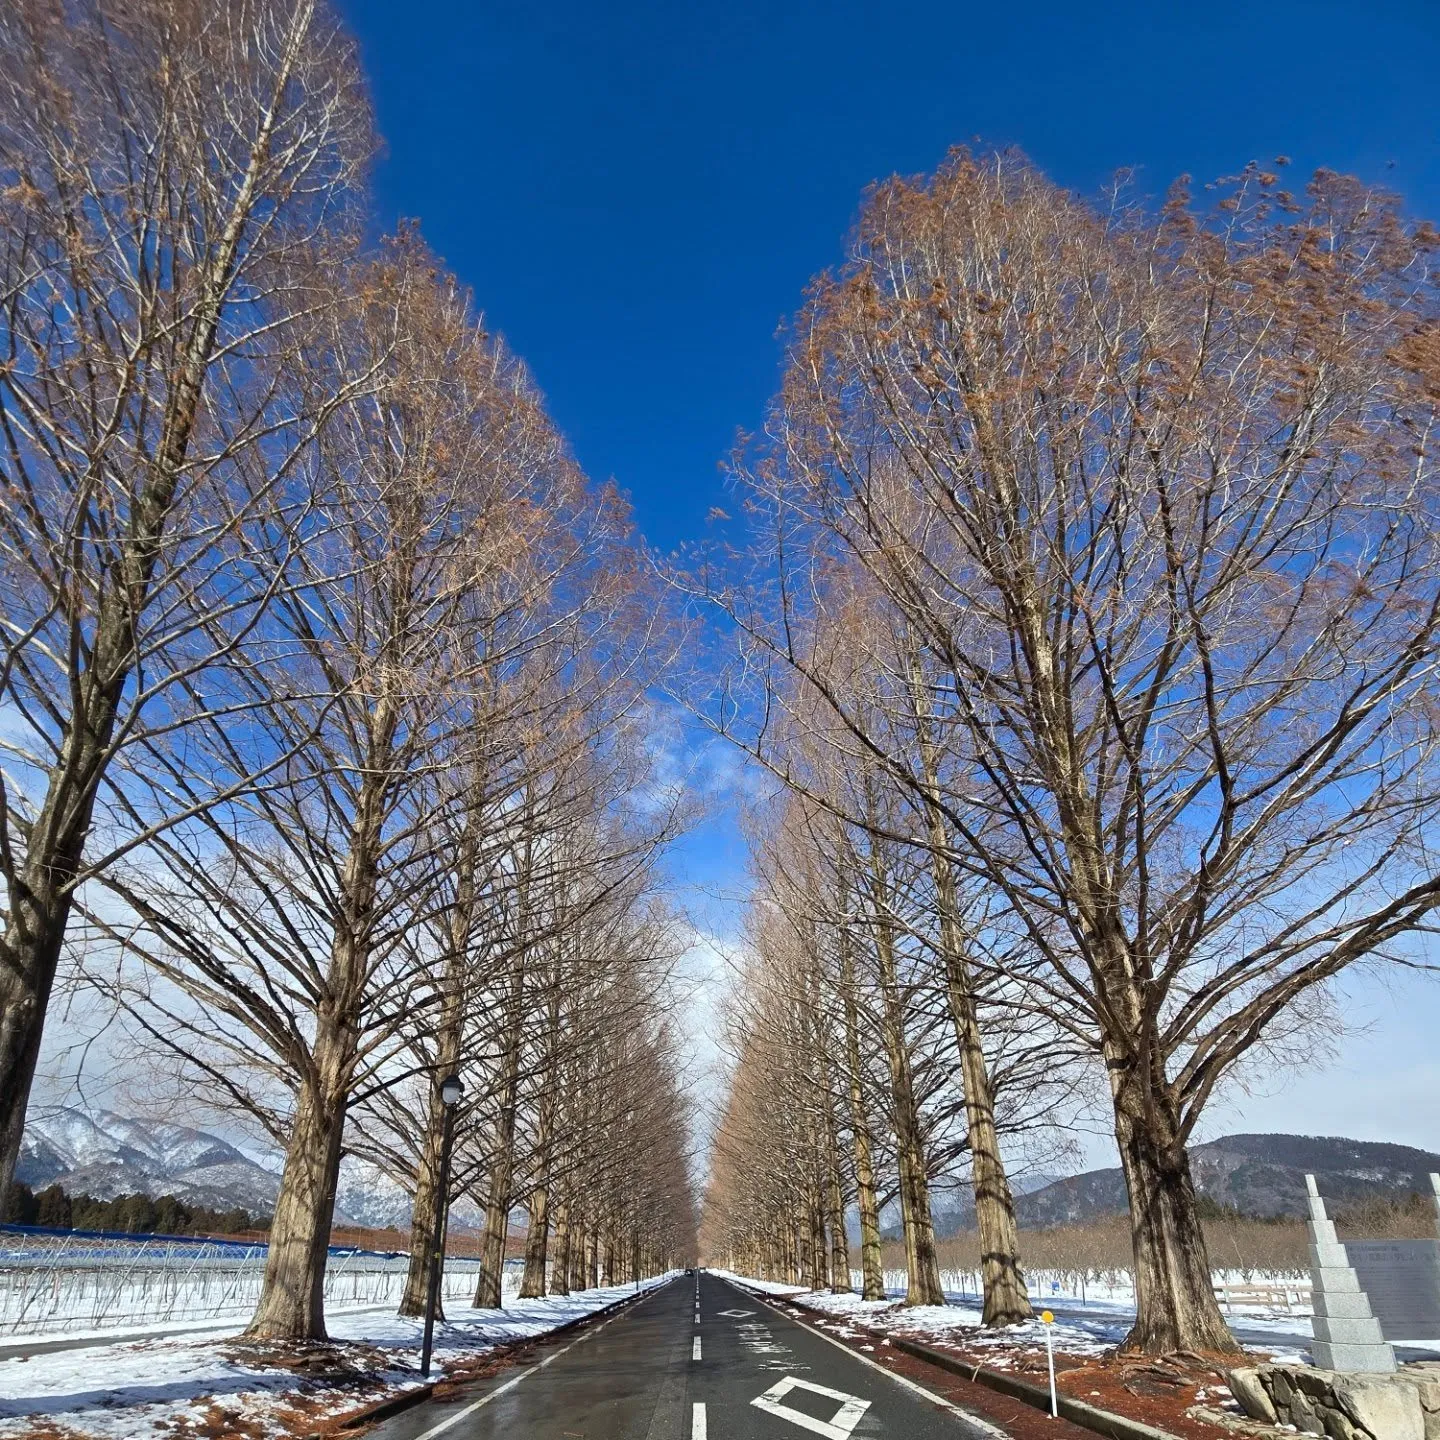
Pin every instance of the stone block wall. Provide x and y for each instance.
(1343, 1406)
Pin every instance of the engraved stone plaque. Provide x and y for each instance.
(1402, 1279)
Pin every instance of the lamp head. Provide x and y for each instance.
(451, 1090)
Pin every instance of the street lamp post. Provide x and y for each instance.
(450, 1092)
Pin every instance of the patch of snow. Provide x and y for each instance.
(1082, 1327)
(149, 1389)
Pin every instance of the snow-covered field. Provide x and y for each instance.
(89, 1287)
(179, 1386)
(1085, 1324)
(1245, 1294)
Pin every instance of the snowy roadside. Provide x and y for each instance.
(943, 1325)
(1184, 1396)
(1087, 1332)
(205, 1386)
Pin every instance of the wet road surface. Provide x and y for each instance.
(697, 1359)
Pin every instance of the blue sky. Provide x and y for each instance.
(638, 193)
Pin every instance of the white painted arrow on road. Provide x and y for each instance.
(837, 1427)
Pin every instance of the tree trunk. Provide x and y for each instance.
(839, 1242)
(292, 1294)
(422, 1221)
(871, 1267)
(427, 1176)
(448, 1043)
(1175, 1305)
(489, 1286)
(561, 1272)
(818, 1248)
(538, 1232)
(575, 1277)
(921, 1263)
(537, 1244)
(804, 1213)
(1006, 1302)
(833, 1218)
(29, 958)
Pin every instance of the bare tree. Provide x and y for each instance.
(288, 911)
(556, 822)
(173, 177)
(1155, 495)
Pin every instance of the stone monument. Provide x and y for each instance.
(1347, 1334)
(1367, 1293)
(1401, 1279)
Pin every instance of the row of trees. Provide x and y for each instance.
(133, 1214)
(323, 666)
(874, 1060)
(1092, 586)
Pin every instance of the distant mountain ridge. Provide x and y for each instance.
(1254, 1174)
(104, 1154)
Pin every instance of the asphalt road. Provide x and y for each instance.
(689, 1362)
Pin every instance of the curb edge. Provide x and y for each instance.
(1091, 1417)
(389, 1405)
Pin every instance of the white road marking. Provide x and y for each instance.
(695, 1349)
(971, 1419)
(736, 1314)
(697, 1421)
(837, 1427)
(459, 1415)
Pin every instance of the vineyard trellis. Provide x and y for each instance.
(71, 1281)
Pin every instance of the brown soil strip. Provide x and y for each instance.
(1154, 1392)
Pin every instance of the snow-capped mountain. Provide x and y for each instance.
(104, 1154)
(366, 1195)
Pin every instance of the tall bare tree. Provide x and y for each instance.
(173, 181)
(289, 911)
(1154, 492)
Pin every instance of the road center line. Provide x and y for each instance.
(695, 1349)
(697, 1421)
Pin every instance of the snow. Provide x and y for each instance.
(107, 1138)
(765, 1287)
(164, 1387)
(1083, 1326)
(72, 1286)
